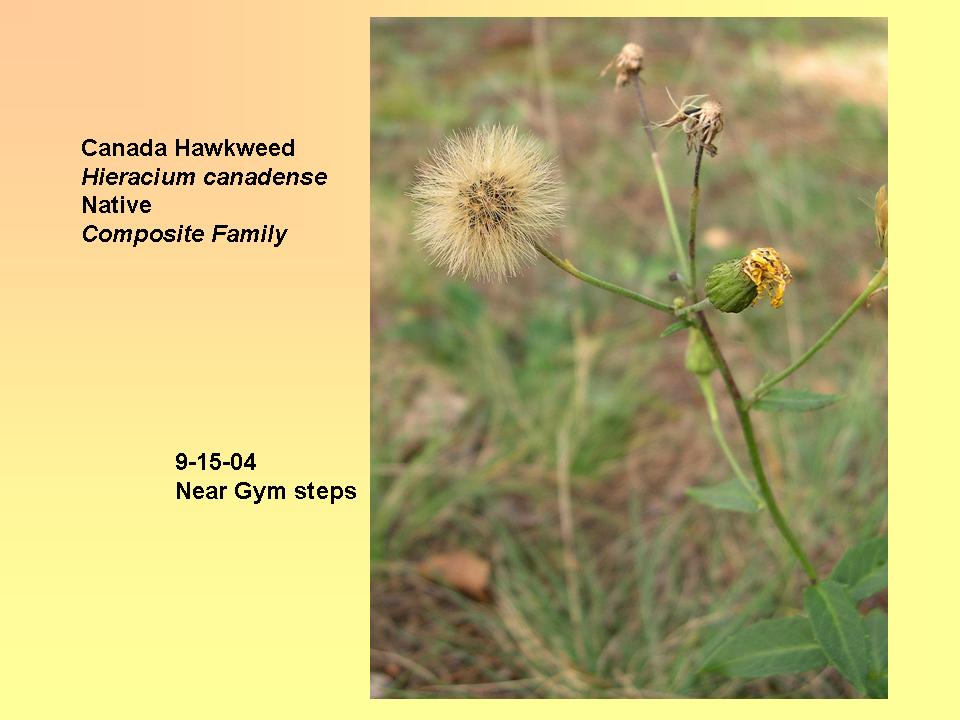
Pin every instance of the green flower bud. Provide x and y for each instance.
(729, 289)
(699, 360)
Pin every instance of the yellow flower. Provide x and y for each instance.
(768, 272)
(484, 199)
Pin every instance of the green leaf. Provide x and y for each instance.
(784, 400)
(839, 629)
(769, 647)
(876, 625)
(729, 495)
(674, 328)
(863, 568)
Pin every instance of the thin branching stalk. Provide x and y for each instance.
(743, 413)
(567, 433)
(568, 267)
(746, 426)
(706, 388)
(696, 307)
(570, 563)
(873, 286)
(694, 208)
(662, 184)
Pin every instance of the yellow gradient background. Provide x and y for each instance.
(118, 601)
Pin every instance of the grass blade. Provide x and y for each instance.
(784, 400)
(729, 495)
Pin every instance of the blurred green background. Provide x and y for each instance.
(487, 397)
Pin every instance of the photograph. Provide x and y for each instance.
(628, 401)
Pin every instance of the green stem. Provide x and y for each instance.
(664, 191)
(696, 307)
(746, 426)
(568, 267)
(707, 390)
(694, 208)
(743, 414)
(764, 387)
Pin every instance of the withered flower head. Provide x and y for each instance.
(769, 273)
(700, 122)
(880, 219)
(735, 285)
(629, 63)
(483, 199)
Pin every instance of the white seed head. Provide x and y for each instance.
(483, 199)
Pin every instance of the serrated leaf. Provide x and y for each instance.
(875, 623)
(863, 568)
(729, 495)
(674, 328)
(839, 629)
(769, 647)
(786, 400)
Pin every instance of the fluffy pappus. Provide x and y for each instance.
(483, 201)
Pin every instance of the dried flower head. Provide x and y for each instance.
(700, 122)
(735, 285)
(483, 199)
(768, 272)
(629, 63)
(880, 218)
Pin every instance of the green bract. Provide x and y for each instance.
(729, 289)
(699, 360)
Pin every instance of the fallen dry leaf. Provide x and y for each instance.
(461, 570)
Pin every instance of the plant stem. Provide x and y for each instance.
(707, 390)
(696, 307)
(764, 387)
(566, 434)
(570, 564)
(694, 208)
(568, 267)
(746, 426)
(664, 191)
(743, 413)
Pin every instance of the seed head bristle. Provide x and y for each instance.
(483, 199)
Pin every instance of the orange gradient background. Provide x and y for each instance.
(117, 600)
